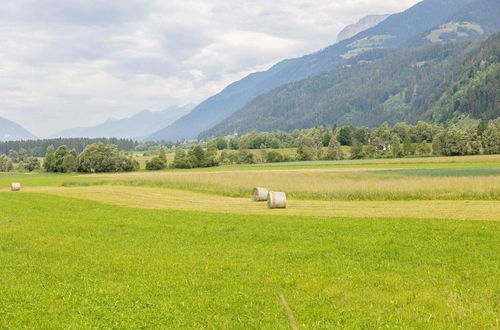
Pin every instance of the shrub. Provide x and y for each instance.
(156, 164)
(32, 164)
(274, 157)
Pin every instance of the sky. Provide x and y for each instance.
(72, 63)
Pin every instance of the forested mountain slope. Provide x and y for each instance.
(440, 82)
(399, 30)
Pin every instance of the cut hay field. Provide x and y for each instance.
(407, 243)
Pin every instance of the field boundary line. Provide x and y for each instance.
(291, 318)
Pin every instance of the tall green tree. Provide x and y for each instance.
(357, 151)
(60, 153)
(49, 163)
(307, 149)
(491, 138)
(335, 151)
(69, 163)
(163, 154)
(345, 136)
(395, 146)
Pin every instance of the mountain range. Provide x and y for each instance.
(136, 127)
(441, 82)
(419, 64)
(11, 131)
(425, 23)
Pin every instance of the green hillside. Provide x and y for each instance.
(400, 30)
(442, 82)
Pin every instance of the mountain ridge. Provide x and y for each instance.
(137, 126)
(393, 32)
(441, 82)
(363, 24)
(12, 131)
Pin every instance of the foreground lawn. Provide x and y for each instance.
(79, 264)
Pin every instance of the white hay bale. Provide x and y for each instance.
(276, 200)
(15, 186)
(259, 194)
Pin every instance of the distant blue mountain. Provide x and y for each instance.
(405, 29)
(135, 127)
(11, 131)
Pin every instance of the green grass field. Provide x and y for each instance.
(371, 244)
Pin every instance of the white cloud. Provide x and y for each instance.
(67, 63)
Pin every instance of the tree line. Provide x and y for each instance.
(322, 143)
(318, 143)
(95, 158)
(37, 148)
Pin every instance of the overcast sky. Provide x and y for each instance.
(69, 63)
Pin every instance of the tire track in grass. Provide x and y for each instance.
(291, 318)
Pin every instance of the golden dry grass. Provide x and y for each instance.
(158, 198)
(319, 184)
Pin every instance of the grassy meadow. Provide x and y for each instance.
(408, 243)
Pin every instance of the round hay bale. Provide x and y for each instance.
(15, 186)
(276, 200)
(259, 194)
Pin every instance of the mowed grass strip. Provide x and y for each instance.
(161, 198)
(80, 264)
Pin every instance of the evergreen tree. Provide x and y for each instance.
(345, 136)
